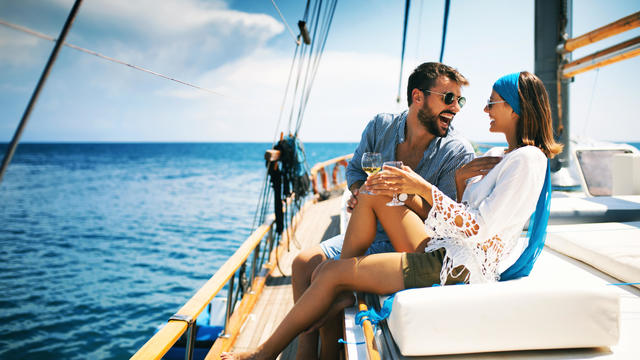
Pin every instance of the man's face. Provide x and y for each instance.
(435, 115)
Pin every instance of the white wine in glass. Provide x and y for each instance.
(394, 201)
(371, 163)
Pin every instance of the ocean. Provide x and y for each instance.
(102, 243)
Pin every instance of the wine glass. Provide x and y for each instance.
(371, 163)
(394, 201)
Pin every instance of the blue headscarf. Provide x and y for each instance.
(507, 88)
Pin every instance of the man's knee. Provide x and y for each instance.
(307, 260)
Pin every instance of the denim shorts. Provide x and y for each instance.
(332, 247)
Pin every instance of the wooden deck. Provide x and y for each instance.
(320, 222)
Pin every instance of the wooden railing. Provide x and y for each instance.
(320, 171)
(260, 243)
(185, 318)
(619, 52)
(368, 331)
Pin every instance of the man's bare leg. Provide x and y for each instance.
(302, 270)
(378, 273)
(357, 242)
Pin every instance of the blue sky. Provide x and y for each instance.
(241, 49)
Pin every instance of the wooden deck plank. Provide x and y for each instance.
(320, 222)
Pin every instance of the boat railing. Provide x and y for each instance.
(319, 175)
(621, 51)
(259, 252)
(258, 244)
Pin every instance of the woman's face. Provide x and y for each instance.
(503, 119)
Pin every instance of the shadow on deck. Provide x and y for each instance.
(320, 222)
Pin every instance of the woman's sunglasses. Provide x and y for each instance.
(490, 103)
(449, 98)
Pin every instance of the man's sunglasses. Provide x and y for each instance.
(449, 97)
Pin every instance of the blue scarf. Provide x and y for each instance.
(507, 88)
(536, 233)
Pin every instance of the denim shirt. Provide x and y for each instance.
(438, 164)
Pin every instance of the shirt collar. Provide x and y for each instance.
(402, 126)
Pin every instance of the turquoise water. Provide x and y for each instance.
(101, 243)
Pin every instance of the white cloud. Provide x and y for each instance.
(350, 88)
(176, 17)
(17, 49)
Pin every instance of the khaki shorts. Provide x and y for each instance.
(423, 270)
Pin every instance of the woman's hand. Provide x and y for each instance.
(394, 180)
(478, 166)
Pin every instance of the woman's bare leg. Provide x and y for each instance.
(404, 227)
(378, 273)
(406, 230)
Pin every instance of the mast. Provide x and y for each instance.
(36, 93)
(553, 26)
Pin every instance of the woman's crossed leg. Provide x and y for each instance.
(377, 273)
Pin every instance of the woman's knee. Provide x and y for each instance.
(371, 201)
(319, 268)
(333, 273)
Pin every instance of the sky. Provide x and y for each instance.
(242, 50)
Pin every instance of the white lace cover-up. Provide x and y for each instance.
(482, 233)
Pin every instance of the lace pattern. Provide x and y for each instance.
(455, 227)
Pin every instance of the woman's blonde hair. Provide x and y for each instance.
(534, 126)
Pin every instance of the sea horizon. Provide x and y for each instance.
(102, 242)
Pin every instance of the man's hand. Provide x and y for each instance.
(353, 200)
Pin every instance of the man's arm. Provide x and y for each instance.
(354, 172)
(353, 200)
(355, 187)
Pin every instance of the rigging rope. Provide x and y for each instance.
(285, 22)
(286, 91)
(288, 178)
(36, 93)
(316, 65)
(593, 92)
(404, 41)
(447, 3)
(91, 52)
(419, 32)
(316, 16)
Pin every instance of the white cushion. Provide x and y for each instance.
(524, 314)
(572, 210)
(613, 248)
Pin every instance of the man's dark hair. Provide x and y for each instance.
(425, 76)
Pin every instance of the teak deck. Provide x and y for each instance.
(320, 222)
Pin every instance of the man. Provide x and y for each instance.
(422, 139)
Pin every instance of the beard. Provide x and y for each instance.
(430, 121)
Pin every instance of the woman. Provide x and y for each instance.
(467, 242)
